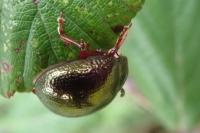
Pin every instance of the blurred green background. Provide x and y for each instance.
(163, 89)
(24, 113)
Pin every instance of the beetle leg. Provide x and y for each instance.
(120, 40)
(122, 92)
(83, 46)
(67, 40)
(122, 36)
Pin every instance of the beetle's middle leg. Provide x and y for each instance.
(122, 92)
(67, 40)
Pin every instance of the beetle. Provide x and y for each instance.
(80, 87)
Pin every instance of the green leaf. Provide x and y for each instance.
(163, 57)
(29, 40)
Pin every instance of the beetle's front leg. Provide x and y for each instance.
(122, 36)
(122, 92)
(120, 40)
(67, 40)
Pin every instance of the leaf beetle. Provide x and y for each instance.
(80, 87)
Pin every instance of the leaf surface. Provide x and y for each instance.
(29, 40)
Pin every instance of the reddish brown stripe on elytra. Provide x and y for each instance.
(83, 81)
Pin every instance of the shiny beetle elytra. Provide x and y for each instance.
(80, 87)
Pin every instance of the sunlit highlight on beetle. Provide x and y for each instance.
(80, 87)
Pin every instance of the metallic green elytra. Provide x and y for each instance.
(82, 86)
(85, 85)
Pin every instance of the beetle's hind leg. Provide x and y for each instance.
(67, 40)
(122, 92)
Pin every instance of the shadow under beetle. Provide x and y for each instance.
(80, 87)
